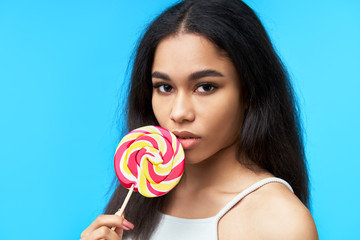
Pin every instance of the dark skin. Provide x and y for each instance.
(201, 105)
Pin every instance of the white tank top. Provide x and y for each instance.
(175, 228)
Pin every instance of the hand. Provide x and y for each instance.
(100, 228)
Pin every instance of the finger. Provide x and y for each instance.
(103, 220)
(119, 232)
(103, 233)
(127, 225)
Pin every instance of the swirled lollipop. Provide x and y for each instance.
(149, 160)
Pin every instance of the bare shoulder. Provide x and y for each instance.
(271, 212)
(282, 215)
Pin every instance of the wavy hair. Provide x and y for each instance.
(271, 135)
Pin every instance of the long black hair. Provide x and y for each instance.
(271, 135)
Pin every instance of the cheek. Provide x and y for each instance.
(221, 110)
(154, 107)
(159, 109)
(223, 117)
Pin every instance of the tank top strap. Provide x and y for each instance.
(247, 191)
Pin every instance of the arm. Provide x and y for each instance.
(296, 225)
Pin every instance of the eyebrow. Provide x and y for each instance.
(193, 76)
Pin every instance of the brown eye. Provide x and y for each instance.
(163, 87)
(205, 88)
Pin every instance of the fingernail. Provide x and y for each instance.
(128, 224)
(125, 228)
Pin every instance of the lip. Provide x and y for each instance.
(184, 134)
(187, 139)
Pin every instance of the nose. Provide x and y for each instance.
(182, 109)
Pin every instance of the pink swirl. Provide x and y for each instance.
(150, 158)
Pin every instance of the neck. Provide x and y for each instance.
(222, 176)
(222, 172)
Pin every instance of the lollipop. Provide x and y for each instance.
(149, 160)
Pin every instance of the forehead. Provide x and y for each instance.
(187, 51)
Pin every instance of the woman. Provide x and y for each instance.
(206, 70)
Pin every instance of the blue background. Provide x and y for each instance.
(63, 65)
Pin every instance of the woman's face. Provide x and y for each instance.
(197, 95)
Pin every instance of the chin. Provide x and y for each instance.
(191, 160)
(194, 160)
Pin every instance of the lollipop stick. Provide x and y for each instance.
(121, 210)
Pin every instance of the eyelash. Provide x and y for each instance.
(211, 85)
(159, 85)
